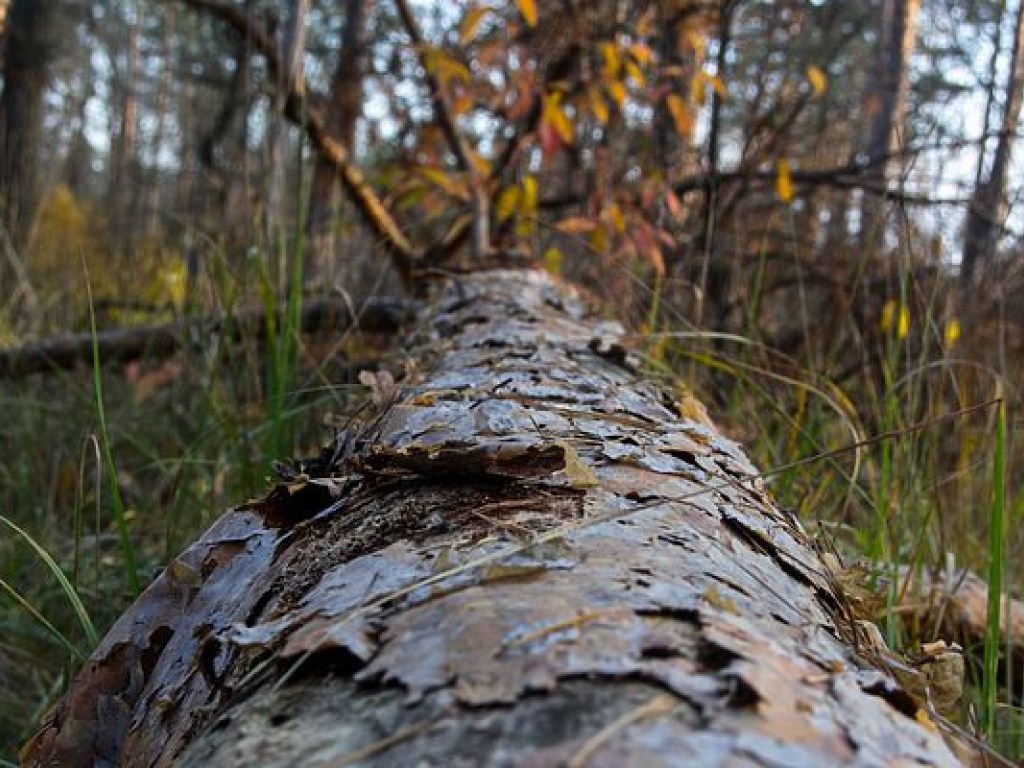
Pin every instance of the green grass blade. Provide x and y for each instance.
(69, 591)
(996, 568)
(131, 571)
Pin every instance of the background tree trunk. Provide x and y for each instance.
(27, 54)
(988, 207)
(341, 115)
(887, 102)
(525, 557)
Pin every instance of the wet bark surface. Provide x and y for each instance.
(525, 557)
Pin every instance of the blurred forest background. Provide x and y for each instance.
(807, 212)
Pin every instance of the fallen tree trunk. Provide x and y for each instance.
(156, 341)
(526, 558)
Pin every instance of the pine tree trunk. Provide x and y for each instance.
(28, 52)
(887, 102)
(526, 557)
(989, 207)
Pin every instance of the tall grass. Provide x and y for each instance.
(131, 568)
(995, 574)
(168, 460)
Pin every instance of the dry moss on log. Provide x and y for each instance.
(525, 558)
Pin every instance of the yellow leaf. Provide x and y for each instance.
(481, 163)
(555, 116)
(617, 219)
(577, 472)
(462, 103)
(610, 54)
(698, 85)
(695, 41)
(718, 85)
(895, 315)
(617, 91)
(444, 67)
(598, 239)
(642, 53)
(471, 23)
(508, 202)
(635, 74)
(952, 333)
(783, 181)
(924, 719)
(439, 178)
(528, 9)
(681, 116)
(818, 80)
(528, 200)
(553, 260)
(598, 106)
(575, 225)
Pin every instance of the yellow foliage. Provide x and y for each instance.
(617, 91)
(783, 181)
(598, 106)
(681, 115)
(508, 203)
(553, 259)
(444, 67)
(471, 23)
(71, 245)
(610, 54)
(555, 116)
(896, 315)
(952, 333)
(528, 9)
(819, 82)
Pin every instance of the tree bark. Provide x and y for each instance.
(887, 100)
(524, 557)
(27, 54)
(344, 106)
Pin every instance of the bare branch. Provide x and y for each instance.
(457, 142)
(371, 208)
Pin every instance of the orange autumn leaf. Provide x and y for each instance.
(819, 82)
(783, 181)
(575, 225)
(528, 10)
(681, 116)
(471, 23)
(508, 203)
(598, 106)
(555, 117)
(617, 91)
(442, 180)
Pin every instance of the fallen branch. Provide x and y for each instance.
(122, 345)
(956, 605)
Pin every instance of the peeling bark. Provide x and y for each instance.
(525, 558)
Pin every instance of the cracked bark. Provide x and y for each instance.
(526, 558)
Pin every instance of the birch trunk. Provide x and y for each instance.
(524, 558)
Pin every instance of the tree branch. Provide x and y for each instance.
(373, 211)
(457, 142)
